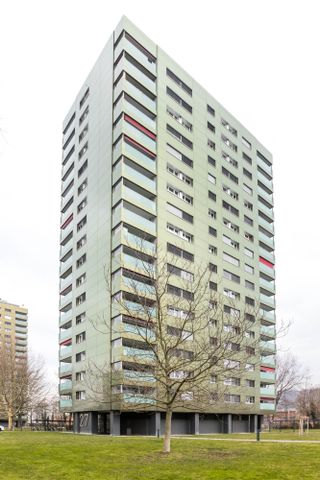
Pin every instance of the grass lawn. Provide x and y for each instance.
(273, 435)
(59, 456)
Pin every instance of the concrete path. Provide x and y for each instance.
(246, 440)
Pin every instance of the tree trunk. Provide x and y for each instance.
(10, 421)
(167, 432)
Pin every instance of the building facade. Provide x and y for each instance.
(14, 328)
(150, 154)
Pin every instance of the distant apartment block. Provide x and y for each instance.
(150, 154)
(14, 328)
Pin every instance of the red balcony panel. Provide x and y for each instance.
(139, 127)
(266, 262)
(66, 223)
(139, 146)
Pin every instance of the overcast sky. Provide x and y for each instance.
(260, 59)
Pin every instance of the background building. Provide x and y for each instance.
(148, 153)
(14, 328)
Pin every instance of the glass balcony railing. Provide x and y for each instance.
(65, 352)
(135, 263)
(124, 106)
(137, 74)
(268, 331)
(269, 285)
(268, 346)
(66, 403)
(267, 270)
(264, 166)
(138, 199)
(138, 221)
(65, 232)
(65, 316)
(266, 195)
(269, 316)
(140, 287)
(265, 181)
(123, 148)
(65, 265)
(65, 282)
(269, 301)
(139, 243)
(65, 299)
(138, 353)
(65, 248)
(265, 239)
(65, 369)
(267, 406)
(126, 45)
(138, 376)
(270, 391)
(268, 211)
(268, 226)
(67, 385)
(138, 178)
(64, 334)
(268, 360)
(268, 376)
(133, 398)
(267, 255)
(136, 134)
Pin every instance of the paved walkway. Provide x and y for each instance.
(246, 440)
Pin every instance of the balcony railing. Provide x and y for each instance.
(268, 346)
(268, 391)
(268, 361)
(65, 352)
(268, 331)
(65, 369)
(67, 385)
(267, 406)
(66, 403)
(271, 376)
(126, 45)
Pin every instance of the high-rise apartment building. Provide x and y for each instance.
(13, 328)
(150, 154)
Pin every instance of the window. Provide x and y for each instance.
(83, 150)
(231, 294)
(249, 252)
(81, 260)
(213, 250)
(228, 258)
(179, 100)
(231, 276)
(230, 225)
(249, 269)
(179, 174)
(80, 280)
(81, 356)
(81, 242)
(248, 236)
(230, 208)
(211, 161)
(229, 144)
(177, 312)
(230, 192)
(179, 137)
(179, 272)
(212, 213)
(228, 127)
(80, 318)
(212, 196)
(83, 133)
(213, 268)
(81, 337)
(248, 205)
(82, 168)
(247, 173)
(179, 213)
(179, 82)
(213, 378)
(228, 174)
(231, 398)
(230, 242)
(229, 159)
(80, 376)
(246, 143)
(249, 285)
(248, 220)
(250, 301)
(247, 158)
(84, 98)
(66, 128)
(213, 286)
(179, 292)
(250, 334)
(82, 205)
(250, 399)
(211, 110)
(211, 144)
(211, 127)
(247, 189)
(212, 231)
(211, 178)
(81, 299)
(250, 350)
(180, 194)
(232, 381)
(84, 115)
(82, 223)
(179, 118)
(80, 395)
(83, 186)
(180, 233)
(234, 312)
(249, 367)
(179, 252)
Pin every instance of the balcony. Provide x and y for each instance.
(64, 334)
(138, 376)
(268, 331)
(267, 301)
(67, 385)
(65, 282)
(65, 369)
(127, 66)
(65, 317)
(140, 200)
(268, 211)
(267, 270)
(123, 148)
(138, 287)
(65, 299)
(269, 346)
(268, 226)
(268, 376)
(125, 86)
(65, 352)
(66, 403)
(133, 398)
(125, 127)
(126, 45)
(264, 166)
(267, 255)
(267, 316)
(268, 391)
(268, 361)
(265, 181)
(138, 221)
(133, 263)
(65, 231)
(267, 240)
(126, 171)
(138, 353)
(268, 284)
(124, 106)
(268, 406)
(138, 243)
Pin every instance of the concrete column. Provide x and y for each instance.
(229, 423)
(194, 430)
(114, 423)
(157, 423)
(256, 424)
(76, 425)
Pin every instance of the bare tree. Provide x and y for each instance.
(308, 403)
(290, 375)
(22, 384)
(184, 342)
